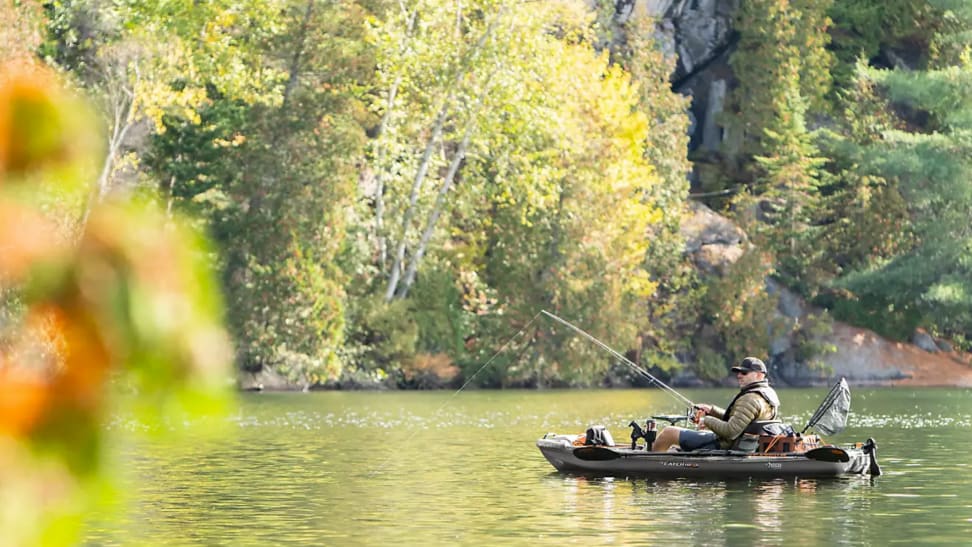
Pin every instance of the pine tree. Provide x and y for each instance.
(781, 53)
(928, 157)
(789, 189)
(783, 71)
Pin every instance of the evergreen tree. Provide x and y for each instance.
(783, 71)
(780, 55)
(866, 217)
(878, 31)
(928, 156)
(789, 190)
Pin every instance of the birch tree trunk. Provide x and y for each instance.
(423, 168)
(434, 215)
(395, 273)
(440, 199)
(171, 200)
(380, 153)
(292, 80)
(379, 175)
(121, 107)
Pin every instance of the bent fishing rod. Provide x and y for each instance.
(623, 359)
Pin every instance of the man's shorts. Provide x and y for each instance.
(690, 439)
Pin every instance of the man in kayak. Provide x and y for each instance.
(756, 402)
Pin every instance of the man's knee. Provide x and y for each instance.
(666, 437)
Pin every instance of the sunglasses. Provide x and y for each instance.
(743, 372)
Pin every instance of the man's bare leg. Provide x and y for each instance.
(666, 439)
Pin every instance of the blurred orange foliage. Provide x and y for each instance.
(130, 296)
(36, 121)
(21, 407)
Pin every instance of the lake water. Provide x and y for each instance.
(437, 468)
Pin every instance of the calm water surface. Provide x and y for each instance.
(411, 468)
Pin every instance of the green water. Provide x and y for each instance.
(443, 469)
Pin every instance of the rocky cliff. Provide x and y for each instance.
(863, 357)
(699, 33)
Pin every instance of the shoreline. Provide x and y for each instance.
(862, 357)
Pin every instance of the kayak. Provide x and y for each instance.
(569, 454)
(777, 451)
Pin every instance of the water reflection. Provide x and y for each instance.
(713, 512)
(366, 469)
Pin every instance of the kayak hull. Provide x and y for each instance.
(616, 460)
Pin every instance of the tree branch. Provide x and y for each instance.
(298, 51)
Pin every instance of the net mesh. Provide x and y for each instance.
(831, 417)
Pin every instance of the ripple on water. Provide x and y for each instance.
(352, 469)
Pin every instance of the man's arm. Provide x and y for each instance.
(711, 410)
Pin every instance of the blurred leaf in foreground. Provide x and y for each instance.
(128, 301)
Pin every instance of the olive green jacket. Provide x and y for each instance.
(748, 408)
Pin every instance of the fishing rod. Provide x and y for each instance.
(623, 359)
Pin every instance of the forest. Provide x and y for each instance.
(393, 191)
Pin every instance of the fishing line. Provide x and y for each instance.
(623, 359)
(499, 351)
(466, 383)
(668, 389)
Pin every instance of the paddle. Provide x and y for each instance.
(828, 454)
(595, 453)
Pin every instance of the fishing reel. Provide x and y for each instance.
(698, 413)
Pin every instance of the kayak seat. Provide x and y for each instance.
(784, 444)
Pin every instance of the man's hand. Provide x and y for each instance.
(706, 409)
(697, 417)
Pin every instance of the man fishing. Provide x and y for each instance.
(756, 402)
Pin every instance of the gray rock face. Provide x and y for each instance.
(861, 356)
(699, 33)
(658, 8)
(712, 240)
(924, 341)
(945, 346)
(789, 311)
(703, 226)
(702, 28)
(711, 130)
(790, 305)
(664, 35)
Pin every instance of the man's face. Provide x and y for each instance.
(746, 377)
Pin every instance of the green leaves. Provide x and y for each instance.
(522, 154)
(926, 157)
(945, 93)
(781, 56)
